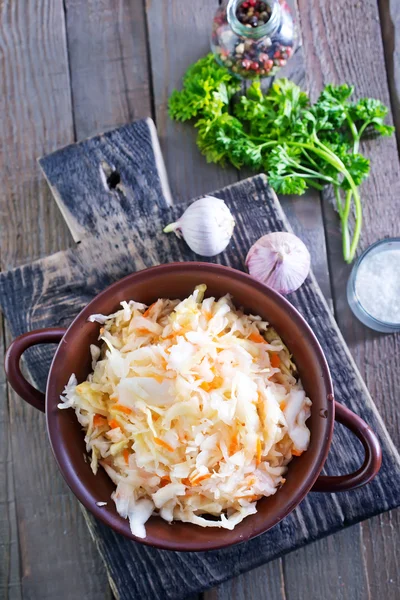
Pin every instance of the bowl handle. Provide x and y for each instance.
(12, 358)
(372, 461)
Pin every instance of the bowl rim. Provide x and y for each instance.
(121, 525)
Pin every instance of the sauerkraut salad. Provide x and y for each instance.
(193, 409)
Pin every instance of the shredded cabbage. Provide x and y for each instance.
(193, 409)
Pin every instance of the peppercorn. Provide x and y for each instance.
(255, 8)
(253, 21)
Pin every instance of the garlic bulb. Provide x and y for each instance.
(206, 226)
(280, 260)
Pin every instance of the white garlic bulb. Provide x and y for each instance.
(206, 226)
(280, 260)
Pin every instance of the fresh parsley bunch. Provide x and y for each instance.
(280, 132)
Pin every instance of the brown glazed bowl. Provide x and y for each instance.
(178, 280)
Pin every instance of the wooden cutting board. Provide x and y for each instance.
(113, 192)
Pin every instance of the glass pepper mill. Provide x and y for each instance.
(253, 39)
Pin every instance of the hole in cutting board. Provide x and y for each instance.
(110, 176)
(113, 180)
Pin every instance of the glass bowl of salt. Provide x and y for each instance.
(373, 289)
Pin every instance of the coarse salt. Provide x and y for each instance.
(377, 285)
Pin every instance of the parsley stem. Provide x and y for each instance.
(345, 226)
(317, 174)
(324, 152)
(311, 160)
(354, 133)
(338, 201)
(317, 186)
(357, 227)
(363, 128)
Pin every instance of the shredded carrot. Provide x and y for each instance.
(258, 457)
(206, 386)
(122, 408)
(186, 481)
(147, 311)
(163, 444)
(207, 315)
(165, 480)
(212, 385)
(126, 454)
(296, 452)
(113, 424)
(275, 361)
(283, 405)
(197, 480)
(171, 336)
(143, 330)
(234, 445)
(99, 421)
(257, 337)
(158, 378)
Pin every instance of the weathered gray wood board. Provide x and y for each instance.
(116, 74)
(52, 290)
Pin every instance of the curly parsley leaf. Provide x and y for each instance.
(300, 145)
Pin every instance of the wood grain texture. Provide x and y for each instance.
(266, 582)
(178, 36)
(36, 119)
(70, 275)
(335, 53)
(116, 174)
(107, 50)
(10, 580)
(389, 12)
(308, 576)
(381, 542)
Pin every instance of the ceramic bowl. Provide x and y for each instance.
(177, 280)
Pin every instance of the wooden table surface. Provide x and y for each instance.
(72, 68)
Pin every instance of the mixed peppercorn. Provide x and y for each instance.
(247, 52)
(253, 12)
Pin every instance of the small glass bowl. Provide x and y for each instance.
(355, 302)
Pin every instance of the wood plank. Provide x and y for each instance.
(65, 277)
(10, 579)
(107, 50)
(381, 539)
(305, 217)
(179, 33)
(335, 54)
(261, 583)
(307, 577)
(389, 12)
(36, 103)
